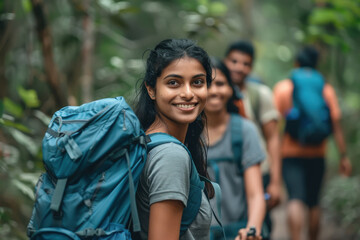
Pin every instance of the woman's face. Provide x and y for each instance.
(219, 93)
(180, 92)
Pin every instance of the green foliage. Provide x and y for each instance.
(342, 201)
(20, 158)
(26, 4)
(12, 108)
(29, 97)
(336, 22)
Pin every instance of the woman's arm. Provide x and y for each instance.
(255, 200)
(165, 220)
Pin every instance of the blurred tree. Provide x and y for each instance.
(6, 17)
(45, 38)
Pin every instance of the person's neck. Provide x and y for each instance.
(215, 119)
(217, 123)
(176, 130)
(241, 85)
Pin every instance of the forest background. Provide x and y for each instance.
(68, 52)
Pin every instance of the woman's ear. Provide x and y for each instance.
(151, 91)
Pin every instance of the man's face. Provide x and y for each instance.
(239, 64)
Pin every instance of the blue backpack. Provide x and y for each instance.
(309, 120)
(93, 155)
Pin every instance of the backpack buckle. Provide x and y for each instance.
(58, 214)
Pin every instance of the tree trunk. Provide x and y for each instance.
(87, 53)
(5, 39)
(246, 9)
(52, 77)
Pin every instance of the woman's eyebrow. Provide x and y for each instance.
(199, 75)
(179, 76)
(173, 76)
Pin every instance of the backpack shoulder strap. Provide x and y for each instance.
(196, 185)
(237, 138)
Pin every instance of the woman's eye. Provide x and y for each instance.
(199, 82)
(172, 83)
(219, 84)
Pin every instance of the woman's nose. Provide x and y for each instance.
(187, 92)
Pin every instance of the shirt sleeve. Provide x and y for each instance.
(253, 153)
(267, 111)
(168, 170)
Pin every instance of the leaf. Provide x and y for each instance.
(217, 9)
(30, 177)
(26, 4)
(24, 140)
(42, 117)
(12, 108)
(203, 2)
(15, 125)
(29, 97)
(323, 16)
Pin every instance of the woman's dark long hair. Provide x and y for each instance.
(159, 58)
(217, 64)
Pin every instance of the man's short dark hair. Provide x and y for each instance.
(308, 57)
(242, 46)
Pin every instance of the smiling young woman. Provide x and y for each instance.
(171, 102)
(233, 163)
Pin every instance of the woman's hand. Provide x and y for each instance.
(246, 234)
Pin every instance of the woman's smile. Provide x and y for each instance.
(186, 106)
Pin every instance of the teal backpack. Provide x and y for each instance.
(309, 120)
(231, 230)
(93, 155)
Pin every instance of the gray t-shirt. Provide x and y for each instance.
(233, 204)
(166, 176)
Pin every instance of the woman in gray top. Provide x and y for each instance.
(171, 101)
(236, 170)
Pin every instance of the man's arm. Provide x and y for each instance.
(345, 164)
(331, 99)
(271, 134)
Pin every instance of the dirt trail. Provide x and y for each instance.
(329, 230)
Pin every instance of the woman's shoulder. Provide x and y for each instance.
(169, 149)
(170, 153)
